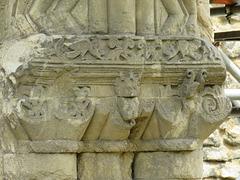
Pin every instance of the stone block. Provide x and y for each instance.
(215, 154)
(102, 166)
(168, 165)
(40, 167)
(213, 140)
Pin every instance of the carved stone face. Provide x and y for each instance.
(128, 107)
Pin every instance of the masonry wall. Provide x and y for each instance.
(222, 148)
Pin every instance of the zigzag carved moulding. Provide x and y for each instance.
(164, 17)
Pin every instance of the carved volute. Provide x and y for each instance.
(109, 76)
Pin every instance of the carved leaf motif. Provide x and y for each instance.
(80, 109)
(77, 108)
(79, 48)
(153, 51)
(141, 48)
(215, 107)
(122, 52)
(169, 109)
(170, 50)
(59, 48)
(167, 91)
(193, 83)
(32, 108)
(131, 49)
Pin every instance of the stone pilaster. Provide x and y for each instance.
(95, 91)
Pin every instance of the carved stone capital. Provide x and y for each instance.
(137, 93)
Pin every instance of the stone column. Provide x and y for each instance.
(110, 89)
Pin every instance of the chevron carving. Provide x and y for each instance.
(172, 17)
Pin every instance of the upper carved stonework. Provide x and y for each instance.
(137, 17)
(110, 93)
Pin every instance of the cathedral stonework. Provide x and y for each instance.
(107, 89)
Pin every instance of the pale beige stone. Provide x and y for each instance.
(91, 85)
(231, 170)
(168, 165)
(82, 16)
(121, 17)
(216, 154)
(191, 24)
(213, 140)
(1, 166)
(222, 162)
(161, 16)
(98, 22)
(145, 17)
(204, 20)
(80, 13)
(231, 49)
(175, 19)
(210, 170)
(2, 20)
(40, 167)
(102, 166)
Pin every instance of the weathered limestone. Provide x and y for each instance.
(177, 165)
(161, 17)
(204, 20)
(222, 148)
(50, 111)
(98, 16)
(1, 166)
(92, 85)
(121, 17)
(145, 17)
(102, 166)
(40, 166)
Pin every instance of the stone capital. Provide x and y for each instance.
(130, 91)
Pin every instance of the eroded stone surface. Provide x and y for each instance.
(40, 166)
(224, 165)
(164, 165)
(163, 17)
(101, 166)
(96, 85)
(47, 101)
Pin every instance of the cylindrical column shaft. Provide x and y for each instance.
(98, 16)
(145, 17)
(121, 16)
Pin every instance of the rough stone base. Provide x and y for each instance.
(168, 165)
(102, 166)
(40, 167)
